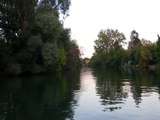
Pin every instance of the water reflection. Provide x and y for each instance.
(111, 90)
(116, 88)
(115, 95)
(38, 98)
(88, 95)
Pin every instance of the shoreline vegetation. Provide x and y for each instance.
(33, 39)
(140, 55)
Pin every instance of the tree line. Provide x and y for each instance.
(33, 39)
(140, 54)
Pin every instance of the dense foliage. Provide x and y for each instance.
(108, 48)
(32, 38)
(109, 52)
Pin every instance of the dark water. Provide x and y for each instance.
(90, 95)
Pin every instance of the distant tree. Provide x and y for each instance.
(108, 48)
(141, 53)
(135, 41)
(73, 56)
(108, 40)
(134, 48)
(158, 40)
(146, 53)
(157, 50)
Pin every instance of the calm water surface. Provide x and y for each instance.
(88, 95)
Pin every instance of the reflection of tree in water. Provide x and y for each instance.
(137, 91)
(110, 89)
(37, 98)
(144, 84)
(113, 89)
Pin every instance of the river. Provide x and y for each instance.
(88, 95)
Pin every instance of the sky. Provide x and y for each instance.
(87, 17)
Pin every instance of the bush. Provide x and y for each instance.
(13, 69)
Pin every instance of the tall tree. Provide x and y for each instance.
(108, 40)
(135, 41)
(108, 48)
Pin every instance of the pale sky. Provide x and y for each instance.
(88, 17)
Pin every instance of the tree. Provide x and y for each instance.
(73, 56)
(17, 18)
(108, 40)
(32, 36)
(146, 54)
(58, 5)
(135, 41)
(108, 48)
(134, 48)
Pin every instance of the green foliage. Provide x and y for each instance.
(73, 60)
(140, 53)
(108, 40)
(47, 23)
(62, 57)
(108, 48)
(157, 51)
(49, 53)
(13, 69)
(146, 55)
(34, 42)
(32, 38)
